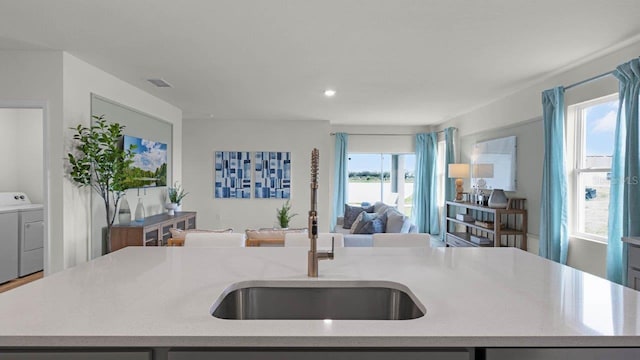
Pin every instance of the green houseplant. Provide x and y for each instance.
(176, 193)
(100, 162)
(285, 215)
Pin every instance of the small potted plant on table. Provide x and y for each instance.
(285, 215)
(176, 194)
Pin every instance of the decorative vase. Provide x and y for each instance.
(172, 208)
(140, 211)
(497, 199)
(178, 207)
(124, 213)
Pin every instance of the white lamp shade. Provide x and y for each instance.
(482, 170)
(458, 171)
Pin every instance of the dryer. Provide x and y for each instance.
(22, 249)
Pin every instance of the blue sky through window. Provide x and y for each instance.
(600, 128)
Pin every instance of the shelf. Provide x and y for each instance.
(515, 219)
(465, 237)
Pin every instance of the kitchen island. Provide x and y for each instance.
(157, 301)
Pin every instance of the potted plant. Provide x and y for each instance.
(100, 162)
(176, 193)
(284, 215)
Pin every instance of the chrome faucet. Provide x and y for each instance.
(315, 255)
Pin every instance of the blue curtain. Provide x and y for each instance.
(425, 207)
(449, 184)
(554, 237)
(340, 177)
(624, 197)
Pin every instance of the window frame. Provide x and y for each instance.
(401, 161)
(576, 136)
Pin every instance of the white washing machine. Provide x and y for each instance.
(21, 236)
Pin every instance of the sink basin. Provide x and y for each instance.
(317, 300)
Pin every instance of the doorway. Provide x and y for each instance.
(23, 159)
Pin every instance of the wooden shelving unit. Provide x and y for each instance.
(509, 225)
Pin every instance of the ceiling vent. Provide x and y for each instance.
(159, 83)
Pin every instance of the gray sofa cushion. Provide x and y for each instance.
(352, 212)
(370, 224)
(395, 221)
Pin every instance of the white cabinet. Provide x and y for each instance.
(31, 241)
(8, 246)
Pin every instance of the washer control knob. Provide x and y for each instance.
(21, 197)
(16, 197)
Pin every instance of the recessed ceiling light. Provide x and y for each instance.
(159, 83)
(329, 93)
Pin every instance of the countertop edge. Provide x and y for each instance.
(315, 342)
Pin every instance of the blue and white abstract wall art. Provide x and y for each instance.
(273, 175)
(233, 175)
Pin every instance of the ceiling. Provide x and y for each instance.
(392, 62)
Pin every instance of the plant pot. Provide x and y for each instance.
(498, 199)
(172, 208)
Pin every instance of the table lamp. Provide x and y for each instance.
(458, 172)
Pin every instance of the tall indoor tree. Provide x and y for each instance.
(100, 162)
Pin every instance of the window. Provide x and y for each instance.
(592, 126)
(381, 177)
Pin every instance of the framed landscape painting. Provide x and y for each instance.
(149, 168)
(232, 175)
(273, 175)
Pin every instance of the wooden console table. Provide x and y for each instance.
(153, 231)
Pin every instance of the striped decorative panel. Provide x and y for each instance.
(233, 174)
(273, 175)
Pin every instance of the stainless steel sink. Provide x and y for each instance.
(317, 300)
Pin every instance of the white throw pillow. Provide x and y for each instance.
(181, 234)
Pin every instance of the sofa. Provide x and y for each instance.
(379, 218)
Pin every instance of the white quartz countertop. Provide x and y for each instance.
(161, 297)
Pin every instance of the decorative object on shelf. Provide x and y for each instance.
(480, 172)
(465, 217)
(458, 172)
(124, 213)
(175, 195)
(100, 162)
(498, 199)
(273, 175)
(285, 215)
(139, 217)
(149, 167)
(233, 175)
(171, 208)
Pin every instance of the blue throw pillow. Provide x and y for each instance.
(371, 224)
(352, 212)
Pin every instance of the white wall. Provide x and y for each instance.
(392, 139)
(21, 152)
(506, 115)
(29, 153)
(80, 80)
(33, 79)
(8, 144)
(204, 137)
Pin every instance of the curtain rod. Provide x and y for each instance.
(594, 78)
(365, 134)
(597, 77)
